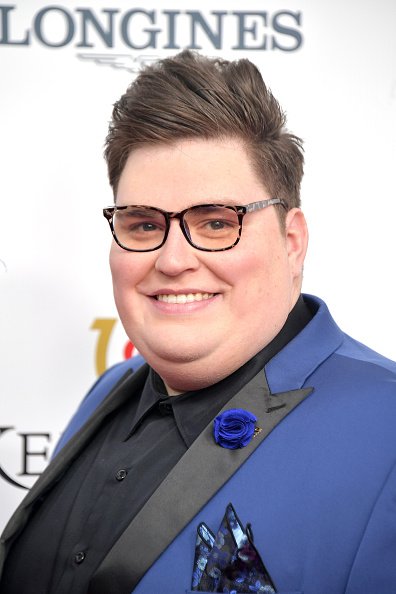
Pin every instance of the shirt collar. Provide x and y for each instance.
(148, 402)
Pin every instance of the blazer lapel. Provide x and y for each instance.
(203, 470)
(128, 384)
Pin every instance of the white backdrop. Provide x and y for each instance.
(334, 74)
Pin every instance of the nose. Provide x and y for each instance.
(176, 255)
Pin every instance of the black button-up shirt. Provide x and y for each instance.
(79, 520)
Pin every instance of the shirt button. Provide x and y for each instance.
(121, 474)
(79, 557)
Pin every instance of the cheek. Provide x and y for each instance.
(261, 281)
(118, 269)
(125, 270)
(251, 269)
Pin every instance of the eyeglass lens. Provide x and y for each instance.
(208, 227)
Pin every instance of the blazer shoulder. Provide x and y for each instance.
(355, 350)
(96, 395)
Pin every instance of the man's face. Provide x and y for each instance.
(238, 299)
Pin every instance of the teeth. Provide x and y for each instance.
(184, 297)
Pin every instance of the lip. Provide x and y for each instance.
(184, 291)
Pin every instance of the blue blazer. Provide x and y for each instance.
(319, 489)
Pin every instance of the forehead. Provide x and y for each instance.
(189, 172)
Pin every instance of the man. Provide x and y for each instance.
(207, 260)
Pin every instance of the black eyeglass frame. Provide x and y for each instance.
(241, 211)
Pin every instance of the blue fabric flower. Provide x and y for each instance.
(234, 428)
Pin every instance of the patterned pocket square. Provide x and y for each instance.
(229, 561)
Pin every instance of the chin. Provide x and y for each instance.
(169, 354)
(181, 378)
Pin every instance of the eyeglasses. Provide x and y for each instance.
(207, 227)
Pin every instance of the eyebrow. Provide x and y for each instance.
(147, 213)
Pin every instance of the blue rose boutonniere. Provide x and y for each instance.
(234, 428)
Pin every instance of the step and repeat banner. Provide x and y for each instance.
(332, 66)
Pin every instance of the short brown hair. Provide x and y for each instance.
(193, 96)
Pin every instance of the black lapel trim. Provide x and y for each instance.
(128, 385)
(203, 469)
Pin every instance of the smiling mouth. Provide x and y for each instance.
(184, 297)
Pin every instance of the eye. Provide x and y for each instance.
(145, 227)
(140, 221)
(217, 225)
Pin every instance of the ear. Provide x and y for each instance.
(296, 233)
